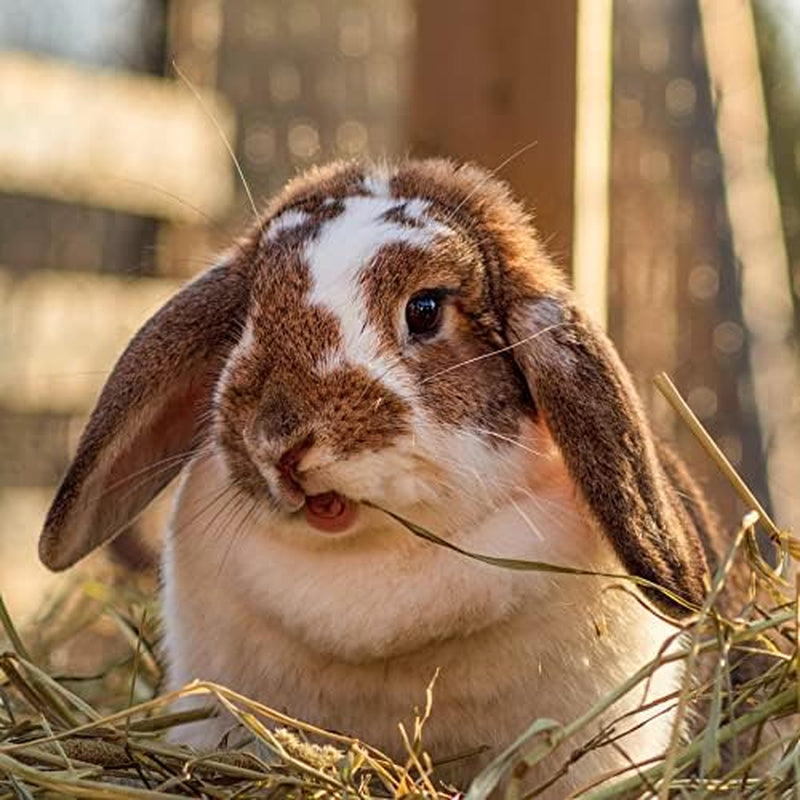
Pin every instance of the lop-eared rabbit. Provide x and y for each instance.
(395, 338)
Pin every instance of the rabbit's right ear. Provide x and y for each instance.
(151, 415)
(586, 396)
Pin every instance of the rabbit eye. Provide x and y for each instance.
(424, 312)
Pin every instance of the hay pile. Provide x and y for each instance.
(75, 728)
(101, 733)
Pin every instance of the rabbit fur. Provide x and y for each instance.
(291, 387)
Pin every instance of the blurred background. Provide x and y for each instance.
(658, 142)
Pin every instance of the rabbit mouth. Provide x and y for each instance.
(330, 512)
(327, 511)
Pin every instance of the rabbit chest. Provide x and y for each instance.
(349, 634)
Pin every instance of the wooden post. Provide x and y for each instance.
(491, 78)
(675, 294)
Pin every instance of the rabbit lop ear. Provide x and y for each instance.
(151, 413)
(588, 402)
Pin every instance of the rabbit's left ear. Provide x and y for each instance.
(151, 417)
(586, 396)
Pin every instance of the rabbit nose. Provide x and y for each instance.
(289, 461)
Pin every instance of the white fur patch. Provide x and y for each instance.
(286, 221)
(416, 208)
(346, 245)
(389, 374)
(377, 184)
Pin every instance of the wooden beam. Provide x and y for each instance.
(674, 289)
(592, 156)
(753, 205)
(492, 78)
(129, 142)
(60, 334)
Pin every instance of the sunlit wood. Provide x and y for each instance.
(128, 142)
(753, 207)
(495, 84)
(592, 152)
(60, 334)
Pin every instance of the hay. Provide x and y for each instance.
(100, 733)
(88, 737)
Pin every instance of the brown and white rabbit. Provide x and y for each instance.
(393, 338)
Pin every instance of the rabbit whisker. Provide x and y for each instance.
(126, 524)
(496, 352)
(532, 526)
(239, 530)
(224, 139)
(165, 193)
(147, 475)
(151, 470)
(491, 174)
(218, 496)
(459, 469)
(507, 440)
(479, 435)
(449, 488)
(550, 509)
(232, 502)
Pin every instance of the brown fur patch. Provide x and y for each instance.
(457, 380)
(337, 180)
(399, 216)
(596, 420)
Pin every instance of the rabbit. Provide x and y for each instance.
(395, 338)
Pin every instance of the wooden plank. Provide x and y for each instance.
(754, 209)
(675, 299)
(592, 156)
(60, 334)
(128, 142)
(491, 78)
